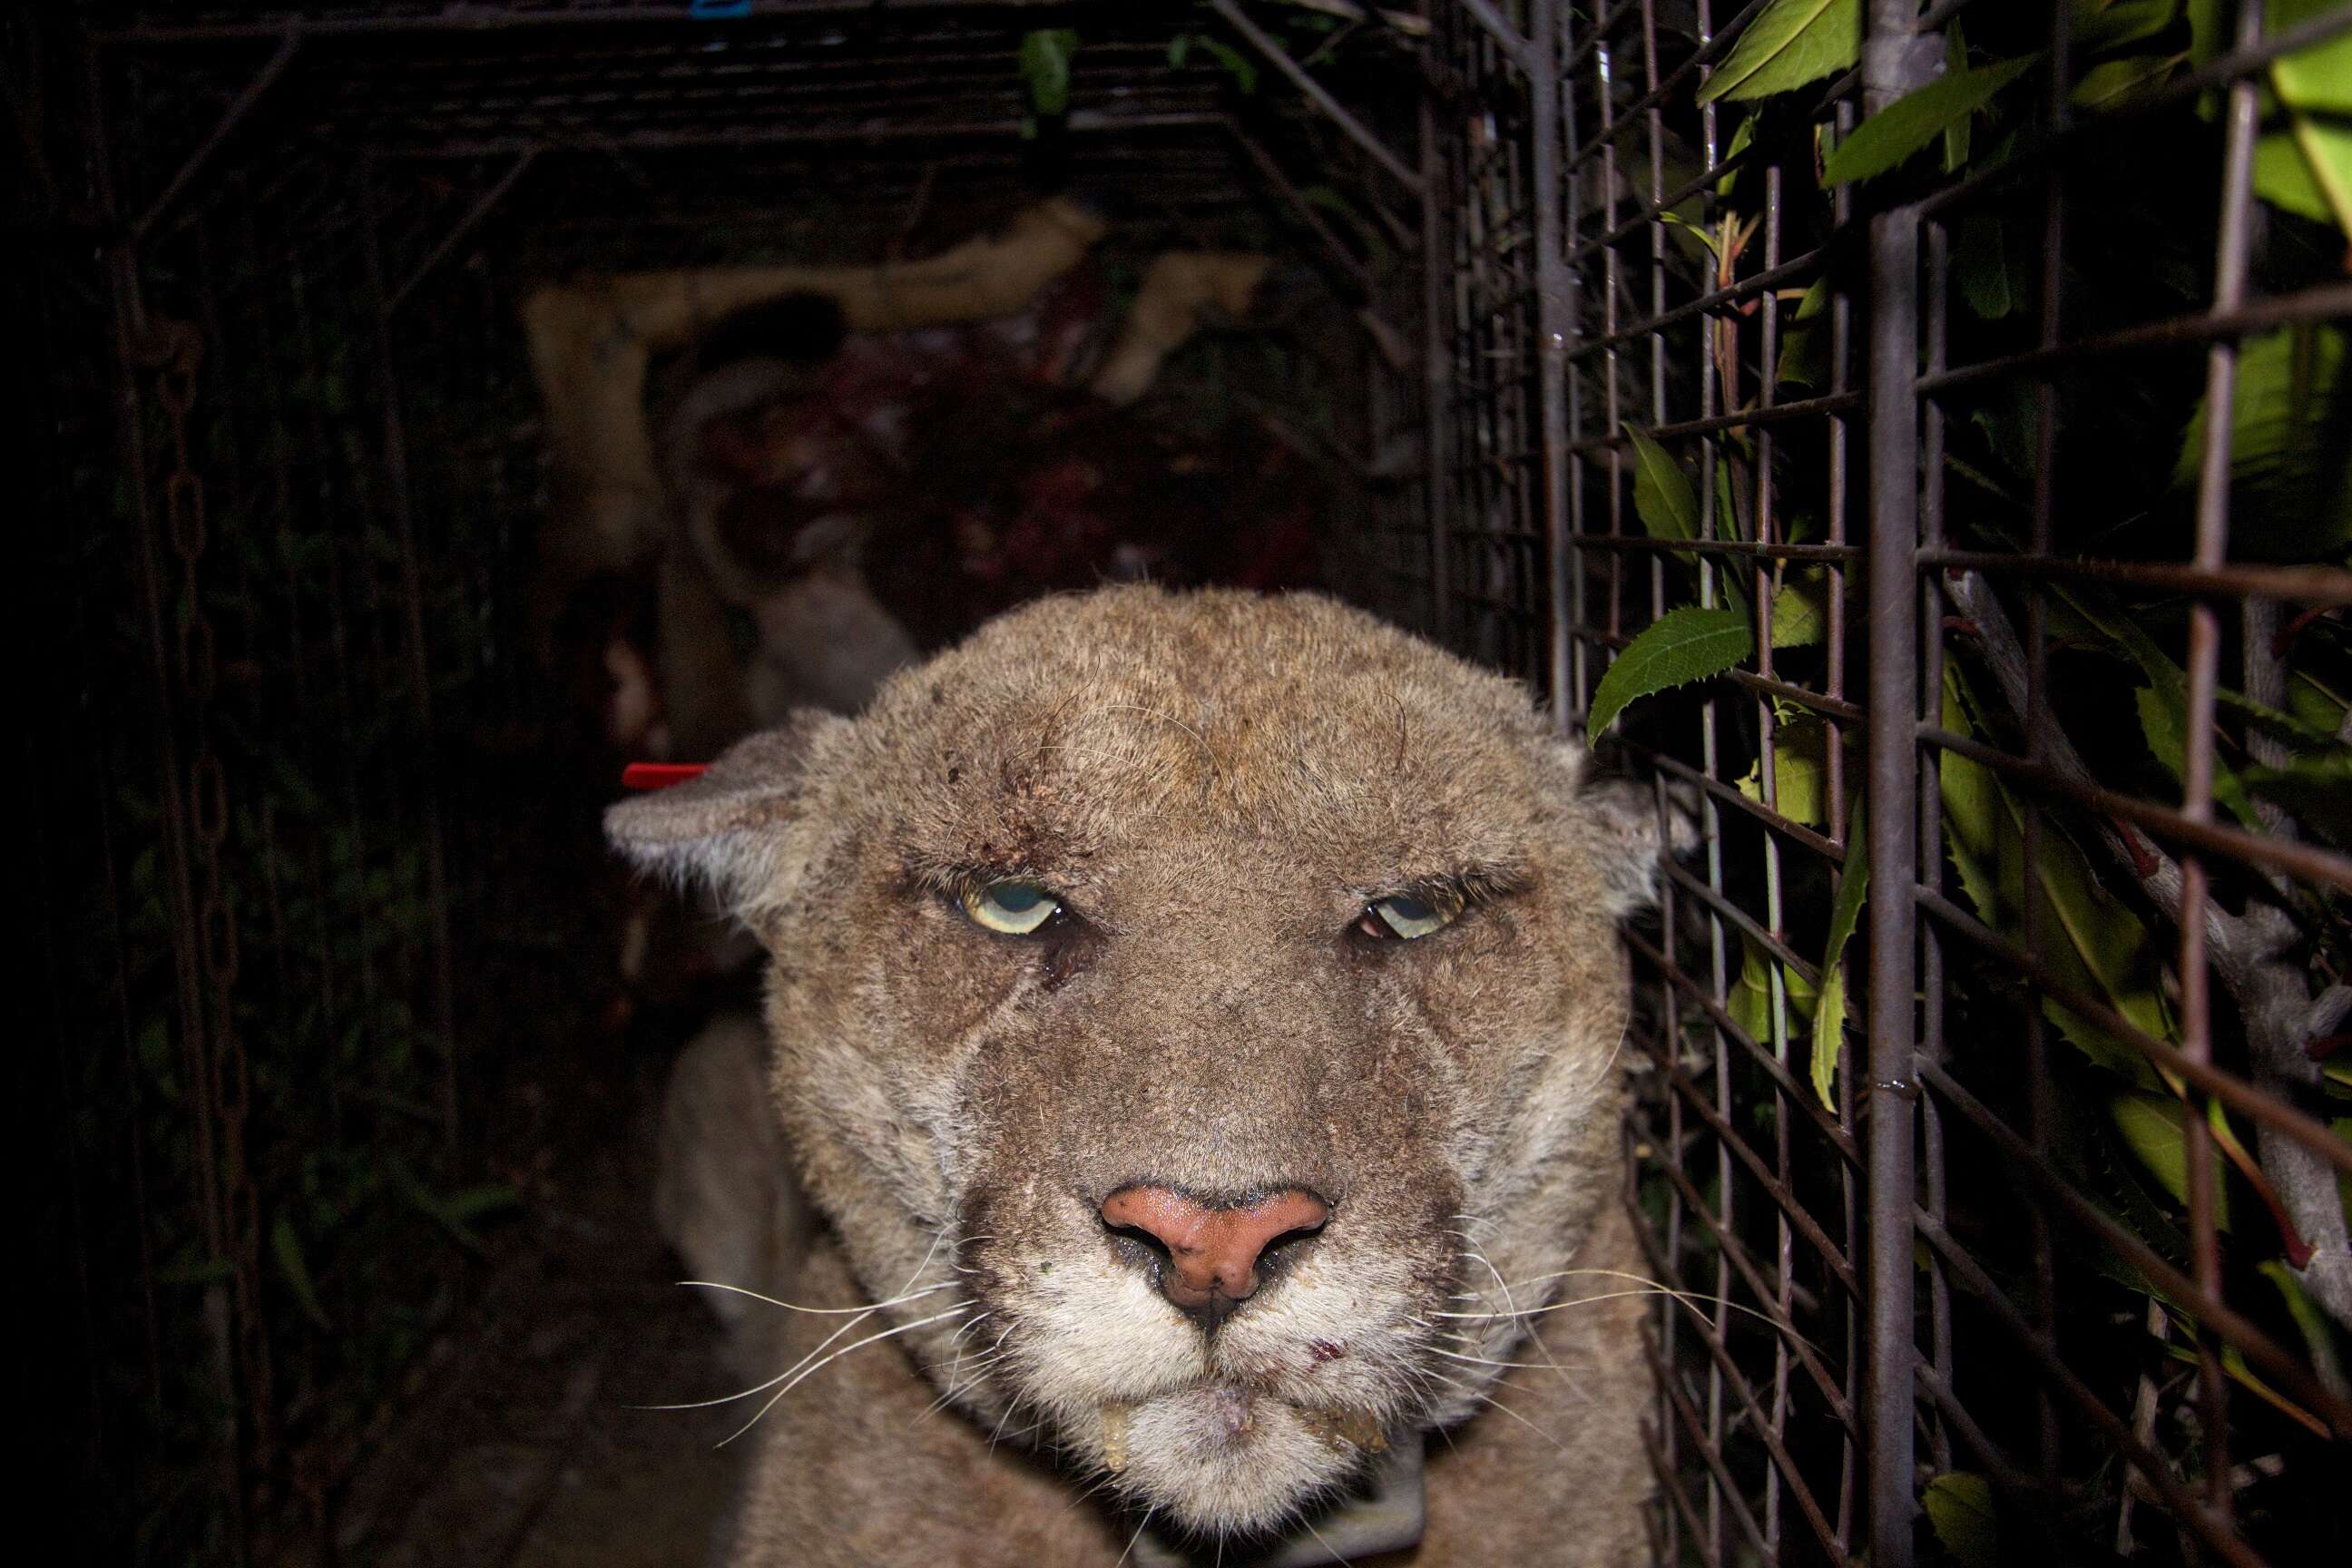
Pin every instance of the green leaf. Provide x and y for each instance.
(1889, 137)
(1740, 141)
(2318, 1338)
(1804, 350)
(1958, 134)
(2090, 943)
(1800, 608)
(1800, 773)
(1959, 1511)
(1238, 66)
(2115, 84)
(2162, 703)
(1750, 1002)
(2154, 1128)
(2161, 720)
(1791, 42)
(2100, 26)
(287, 1248)
(2292, 728)
(2310, 701)
(1045, 67)
(1680, 646)
(2316, 788)
(1179, 48)
(1828, 1017)
(2281, 464)
(472, 1203)
(1663, 497)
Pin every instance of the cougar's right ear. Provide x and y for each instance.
(741, 829)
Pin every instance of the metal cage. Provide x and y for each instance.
(288, 459)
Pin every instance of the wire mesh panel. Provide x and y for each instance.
(1900, 526)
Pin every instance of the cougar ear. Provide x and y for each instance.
(742, 828)
(1635, 825)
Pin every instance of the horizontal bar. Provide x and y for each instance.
(1808, 1356)
(749, 135)
(1837, 553)
(2238, 1095)
(2258, 1348)
(1710, 1449)
(2298, 584)
(1828, 849)
(2292, 857)
(2324, 303)
(1800, 1218)
(1771, 276)
(1772, 414)
(1805, 969)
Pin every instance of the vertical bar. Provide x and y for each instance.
(1551, 344)
(1894, 59)
(2240, 118)
(1436, 302)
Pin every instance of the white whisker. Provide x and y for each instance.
(820, 1311)
(820, 1366)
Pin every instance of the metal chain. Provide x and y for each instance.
(174, 350)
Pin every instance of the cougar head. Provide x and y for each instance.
(1183, 1007)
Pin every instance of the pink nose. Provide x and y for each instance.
(1212, 1251)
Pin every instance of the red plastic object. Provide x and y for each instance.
(659, 775)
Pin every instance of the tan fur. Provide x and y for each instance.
(1216, 783)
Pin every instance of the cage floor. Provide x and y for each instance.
(522, 1441)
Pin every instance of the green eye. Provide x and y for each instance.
(1407, 915)
(1015, 908)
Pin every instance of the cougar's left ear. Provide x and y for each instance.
(1634, 824)
(743, 827)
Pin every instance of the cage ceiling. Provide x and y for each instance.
(663, 133)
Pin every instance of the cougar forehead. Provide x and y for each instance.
(1334, 1136)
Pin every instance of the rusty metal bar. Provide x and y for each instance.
(1796, 412)
(2327, 302)
(2294, 585)
(231, 117)
(1090, 121)
(2297, 860)
(1317, 94)
(1554, 325)
(1895, 60)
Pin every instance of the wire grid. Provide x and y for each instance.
(358, 709)
(1808, 1400)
